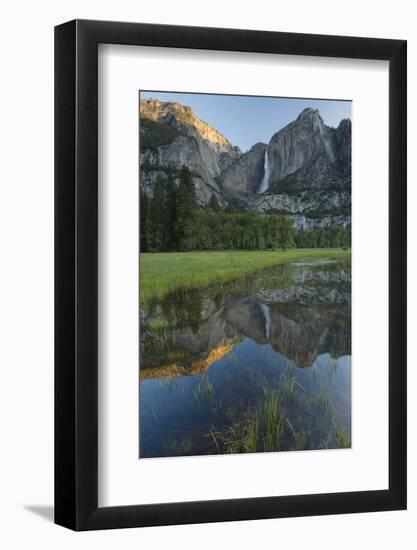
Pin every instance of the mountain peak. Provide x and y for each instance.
(345, 123)
(164, 111)
(309, 114)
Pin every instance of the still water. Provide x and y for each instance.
(259, 364)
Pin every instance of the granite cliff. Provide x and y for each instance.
(304, 171)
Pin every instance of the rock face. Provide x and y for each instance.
(310, 173)
(182, 117)
(241, 180)
(311, 148)
(304, 171)
(171, 135)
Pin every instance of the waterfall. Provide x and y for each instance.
(265, 180)
(267, 315)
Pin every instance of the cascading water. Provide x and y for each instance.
(265, 180)
(267, 315)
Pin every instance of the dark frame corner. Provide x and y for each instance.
(76, 268)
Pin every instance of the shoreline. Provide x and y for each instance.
(164, 272)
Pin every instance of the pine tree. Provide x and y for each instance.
(185, 204)
(156, 219)
(171, 212)
(143, 205)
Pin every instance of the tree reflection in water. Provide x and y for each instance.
(274, 349)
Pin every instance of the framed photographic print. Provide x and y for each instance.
(230, 275)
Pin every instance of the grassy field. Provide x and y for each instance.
(162, 272)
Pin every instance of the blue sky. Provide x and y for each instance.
(245, 120)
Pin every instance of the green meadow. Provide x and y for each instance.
(163, 272)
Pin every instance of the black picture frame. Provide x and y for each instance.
(76, 272)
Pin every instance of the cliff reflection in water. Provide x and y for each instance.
(210, 356)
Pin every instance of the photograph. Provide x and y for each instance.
(245, 274)
(208, 235)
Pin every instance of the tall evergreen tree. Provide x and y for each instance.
(143, 206)
(185, 204)
(171, 212)
(156, 219)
